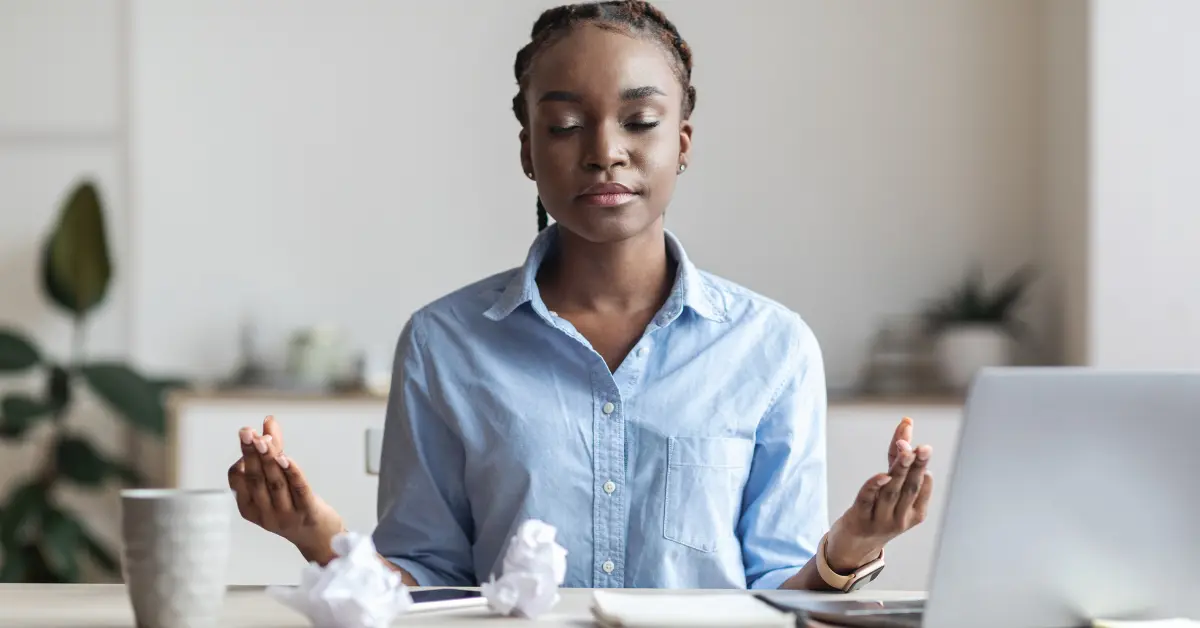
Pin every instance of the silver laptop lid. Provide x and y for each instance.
(1075, 495)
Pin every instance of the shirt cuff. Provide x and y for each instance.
(425, 577)
(775, 578)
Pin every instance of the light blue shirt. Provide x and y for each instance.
(698, 463)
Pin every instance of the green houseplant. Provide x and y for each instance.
(42, 540)
(975, 327)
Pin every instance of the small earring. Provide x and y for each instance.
(682, 167)
(530, 175)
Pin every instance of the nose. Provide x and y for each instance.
(604, 149)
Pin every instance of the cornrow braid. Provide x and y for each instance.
(628, 16)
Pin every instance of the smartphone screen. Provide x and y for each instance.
(424, 596)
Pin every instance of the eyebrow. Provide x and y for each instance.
(633, 93)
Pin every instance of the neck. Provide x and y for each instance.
(633, 275)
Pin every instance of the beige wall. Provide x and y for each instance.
(306, 164)
(298, 163)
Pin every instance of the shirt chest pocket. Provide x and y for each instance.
(704, 482)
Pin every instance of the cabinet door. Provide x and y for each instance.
(330, 440)
(858, 436)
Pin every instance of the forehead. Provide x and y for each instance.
(598, 62)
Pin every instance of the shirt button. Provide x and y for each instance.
(608, 566)
(608, 408)
(642, 351)
(553, 313)
(609, 487)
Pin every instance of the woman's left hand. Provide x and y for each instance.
(888, 505)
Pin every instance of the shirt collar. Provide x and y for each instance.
(690, 290)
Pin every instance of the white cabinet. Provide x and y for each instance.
(333, 440)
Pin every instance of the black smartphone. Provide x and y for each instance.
(444, 599)
(850, 613)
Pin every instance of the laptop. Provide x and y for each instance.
(1075, 497)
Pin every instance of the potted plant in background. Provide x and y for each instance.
(975, 328)
(40, 539)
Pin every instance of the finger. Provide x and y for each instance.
(889, 494)
(272, 428)
(256, 481)
(921, 507)
(912, 484)
(864, 502)
(277, 484)
(237, 482)
(302, 496)
(904, 432)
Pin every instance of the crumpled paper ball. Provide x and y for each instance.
(355, 590)
(535, 565)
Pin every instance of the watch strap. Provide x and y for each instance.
(839, 581)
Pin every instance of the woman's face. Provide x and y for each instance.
(605, 136)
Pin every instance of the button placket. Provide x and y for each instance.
(608, 469)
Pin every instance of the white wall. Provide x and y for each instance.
(308, 161)
(61, 119)
(1145, 196)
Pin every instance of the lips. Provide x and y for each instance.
(607, 194)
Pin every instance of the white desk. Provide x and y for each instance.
(107, 606)
(329, 436)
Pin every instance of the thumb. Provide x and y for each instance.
(271, 426)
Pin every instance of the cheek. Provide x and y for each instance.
(658, 159)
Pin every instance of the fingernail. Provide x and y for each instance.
(883, 480)
(245, 436)
(923, 453)
(907, 459)
(260, 445)
(282, 460)
(904, 445)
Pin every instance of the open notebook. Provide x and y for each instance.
(653, 610)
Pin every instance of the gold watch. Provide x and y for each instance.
(857, 579)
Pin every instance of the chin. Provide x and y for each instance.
(603, 228)
(602, 225)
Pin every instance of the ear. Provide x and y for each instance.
(526, 159)
(685, 141)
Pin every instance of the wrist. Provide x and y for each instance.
(318, 551)
(845, 552)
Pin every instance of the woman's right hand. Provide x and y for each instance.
(273, 494)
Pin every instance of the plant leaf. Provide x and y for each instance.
(101, 556)
(58, 388)
(13, 569)
(54, 288)
(19, 412)
(76, 459)
(79, 266)
(61, 537)
(17, 353)
(26, 504)
(126, 473)
(139, 401)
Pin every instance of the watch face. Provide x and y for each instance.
(864, 580)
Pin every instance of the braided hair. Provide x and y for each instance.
(626, 16)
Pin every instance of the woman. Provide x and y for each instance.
(669, 423)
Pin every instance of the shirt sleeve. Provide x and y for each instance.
(785, 503)
(424, 516)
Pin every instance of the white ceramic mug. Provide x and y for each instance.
(175, 555)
